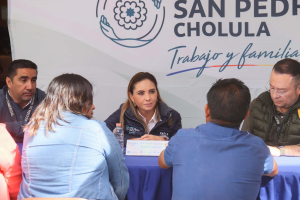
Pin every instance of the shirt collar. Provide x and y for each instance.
(215, 130)
(153, 118)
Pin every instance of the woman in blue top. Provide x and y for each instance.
(65, 153)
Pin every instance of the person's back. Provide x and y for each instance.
(216, 160)
(65, 153)
(73, 159)
(224, 163)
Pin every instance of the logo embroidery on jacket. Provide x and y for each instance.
(131, 130)
(164, 133)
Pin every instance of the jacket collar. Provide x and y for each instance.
(266, 98)
(5, 89)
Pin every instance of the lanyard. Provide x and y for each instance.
(12, 112)
(277, 121)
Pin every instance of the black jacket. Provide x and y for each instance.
(135, 129)
(15, 128)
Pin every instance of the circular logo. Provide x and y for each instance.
(131, 23)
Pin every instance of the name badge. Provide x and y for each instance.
(145, 147)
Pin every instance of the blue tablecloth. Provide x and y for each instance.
(149, 182)
(285, 185)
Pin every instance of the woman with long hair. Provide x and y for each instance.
(144, 115)
(65, 153)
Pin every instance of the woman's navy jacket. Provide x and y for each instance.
(135, 129)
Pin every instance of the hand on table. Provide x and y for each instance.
(135, 139)
(148, 137)
(151, 137)
(274, 151)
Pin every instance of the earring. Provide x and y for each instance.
(134, 104)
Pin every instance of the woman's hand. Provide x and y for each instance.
(151, 137)
(135, 139)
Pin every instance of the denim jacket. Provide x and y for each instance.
(81, 159)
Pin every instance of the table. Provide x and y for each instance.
(149, 182)
(285, 185)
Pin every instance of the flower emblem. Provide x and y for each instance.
(130, 14)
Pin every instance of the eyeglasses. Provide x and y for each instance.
(279, 93)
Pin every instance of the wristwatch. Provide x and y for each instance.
(165, 137)
(282, 150)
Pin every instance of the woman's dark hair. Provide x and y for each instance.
(67, 92)
(229, 100)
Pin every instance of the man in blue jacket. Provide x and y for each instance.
(20, 97)
(216, 160)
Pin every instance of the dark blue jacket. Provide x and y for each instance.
(135, 129)
(15, 128)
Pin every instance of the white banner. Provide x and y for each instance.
(187, 45)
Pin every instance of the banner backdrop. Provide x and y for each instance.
(187, 45)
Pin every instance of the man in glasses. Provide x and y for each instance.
(275, 114)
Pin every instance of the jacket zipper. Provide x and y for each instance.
(287, 115)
